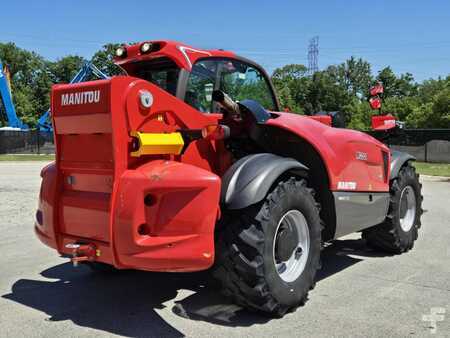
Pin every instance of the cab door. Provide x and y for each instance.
(240, 80)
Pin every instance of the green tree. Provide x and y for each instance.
(30, 81)
(401, 107)
(354, 75)
(433, 114)
(430, 88)
(290, 83)
(287, 102)
(64, 69)
(397, 86)
(358, 114)
(103, 59)
(324, 94)
(342, 87)
(288, 74)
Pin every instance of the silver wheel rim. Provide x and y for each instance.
(407, 208)
(289, 270)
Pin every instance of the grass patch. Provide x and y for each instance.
(432, 169)
(26, 157)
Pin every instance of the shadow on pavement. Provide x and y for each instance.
(125, 302)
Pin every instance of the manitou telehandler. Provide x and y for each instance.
(186, 163)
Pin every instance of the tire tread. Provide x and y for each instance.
(240, 246)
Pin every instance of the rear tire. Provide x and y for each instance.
(399, 230)
(268, 254)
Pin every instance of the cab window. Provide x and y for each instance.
(162, 72)
(238, 79)
(201, 83)
(242, 81)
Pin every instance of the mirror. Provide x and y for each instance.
(375, 103)
(376, 90)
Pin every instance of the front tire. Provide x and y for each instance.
(399, 230)
(268, 253)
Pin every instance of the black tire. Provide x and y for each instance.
(245, 251)
(389, 236)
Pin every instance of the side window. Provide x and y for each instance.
(201, 84)
(242, 81)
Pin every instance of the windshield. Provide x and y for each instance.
(163, 72)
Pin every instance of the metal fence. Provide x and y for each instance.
(26, 142)
(411, 137)
(414, 141)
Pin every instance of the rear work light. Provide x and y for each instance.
(146, 47)
(121, 52)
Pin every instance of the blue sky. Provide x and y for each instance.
(411, 35)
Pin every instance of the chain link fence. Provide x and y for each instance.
(26, 142)
(411, 141)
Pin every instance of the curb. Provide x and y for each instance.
(434, 178)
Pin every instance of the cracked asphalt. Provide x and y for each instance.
(359, 293)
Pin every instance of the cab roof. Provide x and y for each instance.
(183, 55)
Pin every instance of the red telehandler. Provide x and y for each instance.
(187, 163)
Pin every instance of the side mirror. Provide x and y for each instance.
(376, 90)
(375, 103)
(376, 94)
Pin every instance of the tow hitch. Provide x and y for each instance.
(82, 252)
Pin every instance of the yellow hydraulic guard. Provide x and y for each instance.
(157, 144)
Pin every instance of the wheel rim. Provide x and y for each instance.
(407, 208)
(292, 228)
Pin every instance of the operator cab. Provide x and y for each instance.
(192, 75)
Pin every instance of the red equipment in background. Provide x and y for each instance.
(376, 95)
(383, 122)
(380, 122)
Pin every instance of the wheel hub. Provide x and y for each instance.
(407, 208)
(291, 245)
(286, 243)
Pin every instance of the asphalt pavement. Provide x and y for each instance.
(359, 293)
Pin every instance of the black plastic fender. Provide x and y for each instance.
(398, 159)
(248, 180)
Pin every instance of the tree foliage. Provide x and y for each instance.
(30, 81)
(64, 69)
(103, 59)
(343, 87)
